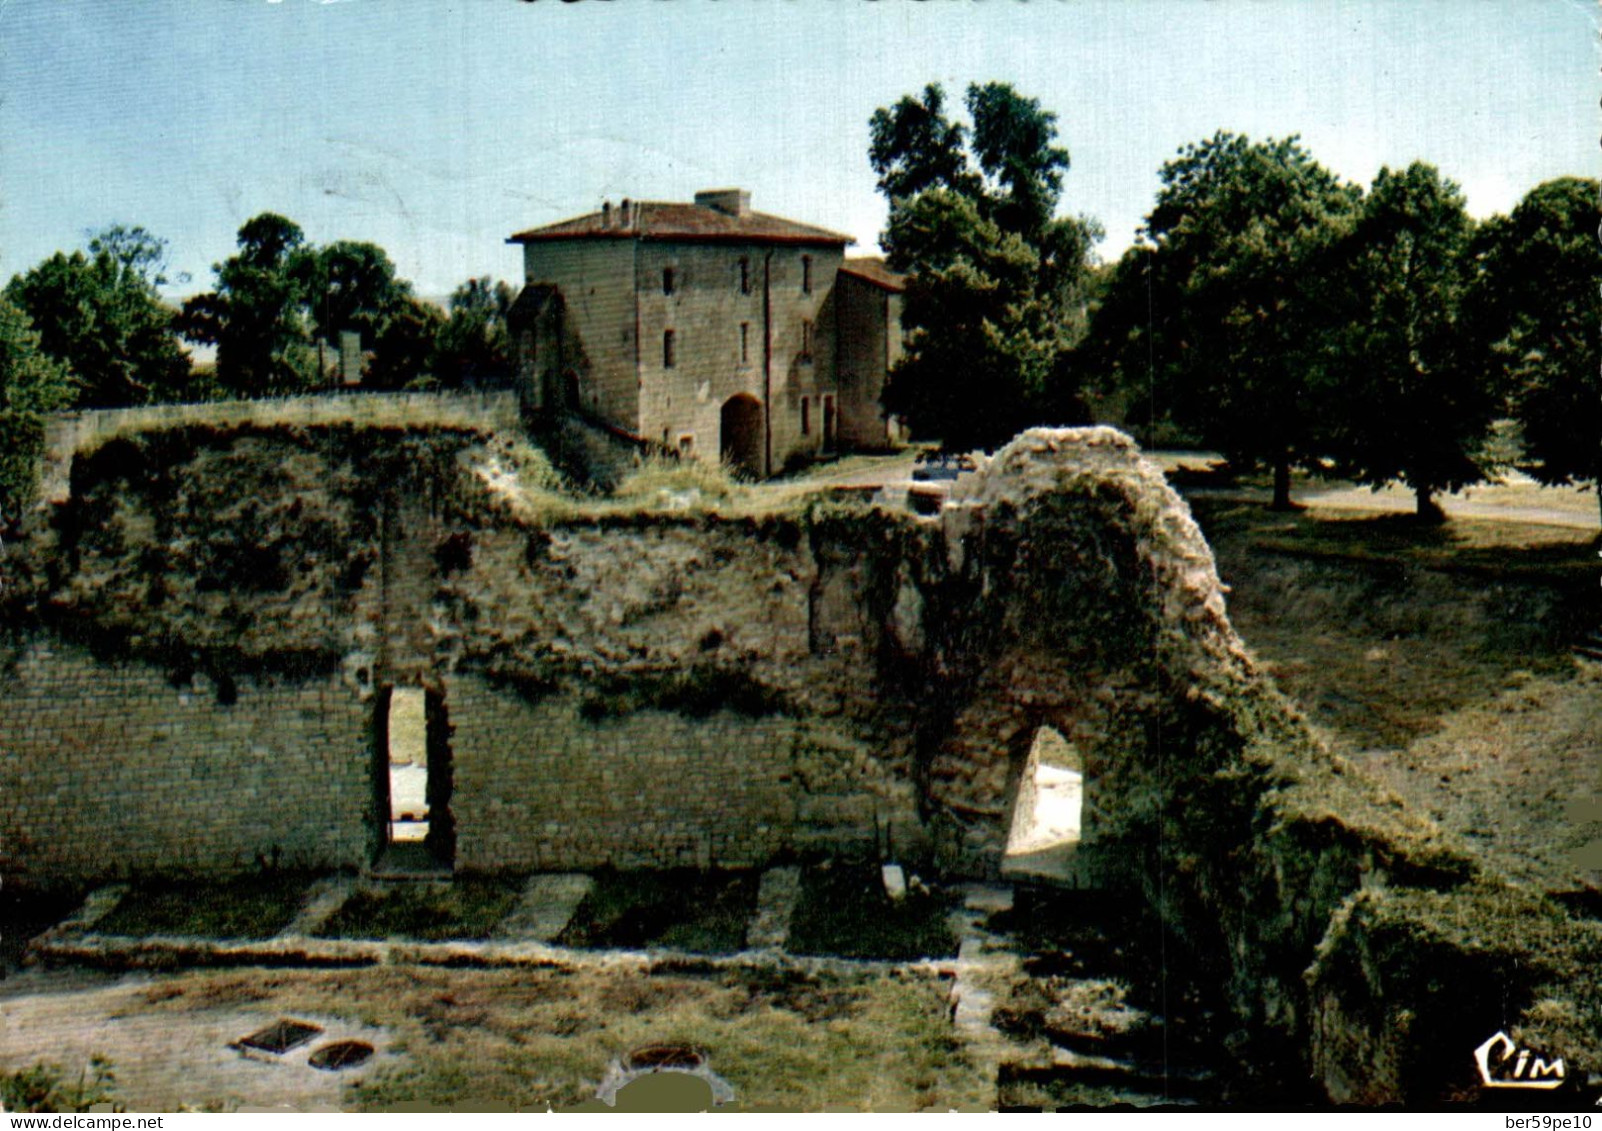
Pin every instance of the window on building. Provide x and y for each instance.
(806, 274)
(745, 343)
(806, 416)
(806, 340)
(668, 280)
(687, 445)
(669, 353)
(745, 275)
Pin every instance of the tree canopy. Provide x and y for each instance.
(256, 316)
(475, 343)
(101, 316)
(350, 286)
(996, 279)
(1533, 305)
(1411, 405)
(32, 383)
(281, 303)
(1222, 304)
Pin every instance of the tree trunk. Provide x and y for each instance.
(1428, 510)
(1282, 499)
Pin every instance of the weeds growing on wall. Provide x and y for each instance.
(678, 483)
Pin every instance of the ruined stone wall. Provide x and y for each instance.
(723, 670)
(69, 433)
(651, 689)
(559, 784)
(110, 769)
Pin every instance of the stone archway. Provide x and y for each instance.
(1048, 809)
(740, 434)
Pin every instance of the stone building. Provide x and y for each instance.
(709, 329)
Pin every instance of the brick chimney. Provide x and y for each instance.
(733, 201)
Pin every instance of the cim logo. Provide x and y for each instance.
(1503, 1064)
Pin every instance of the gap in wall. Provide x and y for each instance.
(1048, 817)
(408, 767)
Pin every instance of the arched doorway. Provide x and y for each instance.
(740, 433)
(1048, 815)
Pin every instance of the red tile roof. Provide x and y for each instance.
(657, 220)
(872, 269)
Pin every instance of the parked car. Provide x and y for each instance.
(940, 465)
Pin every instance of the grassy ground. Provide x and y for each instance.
(844, 911)
(467, 908)
(681, 909)
(255, 906)
(1381, 628)
(476, 1040)
(1438, 659)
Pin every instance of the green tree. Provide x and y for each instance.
(350, 286)
(1533, 313)
(996, 286)
(32, 384)
(256, 316)
(475, 344)
(1411, 404)
(1220, 316)
(404, 353)
(101, 315)
(914, 147)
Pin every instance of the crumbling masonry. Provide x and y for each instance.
(201, 637)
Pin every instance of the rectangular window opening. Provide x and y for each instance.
(806, 416)
(806, 341)
(669, 354)
(408, 766)
(745, 275)
(806, 274)
(668, 280)
(745, 343)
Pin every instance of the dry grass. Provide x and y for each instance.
(528, 1039)
(668, 483)
(1437, 658)
(657, 485)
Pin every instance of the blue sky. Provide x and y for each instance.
(436, 129)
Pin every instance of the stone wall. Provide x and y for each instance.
(651, 689)
(549, 786)
(596, 281)
(1067, 587)
(110, 769)
(69, 433)
(869, 343)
